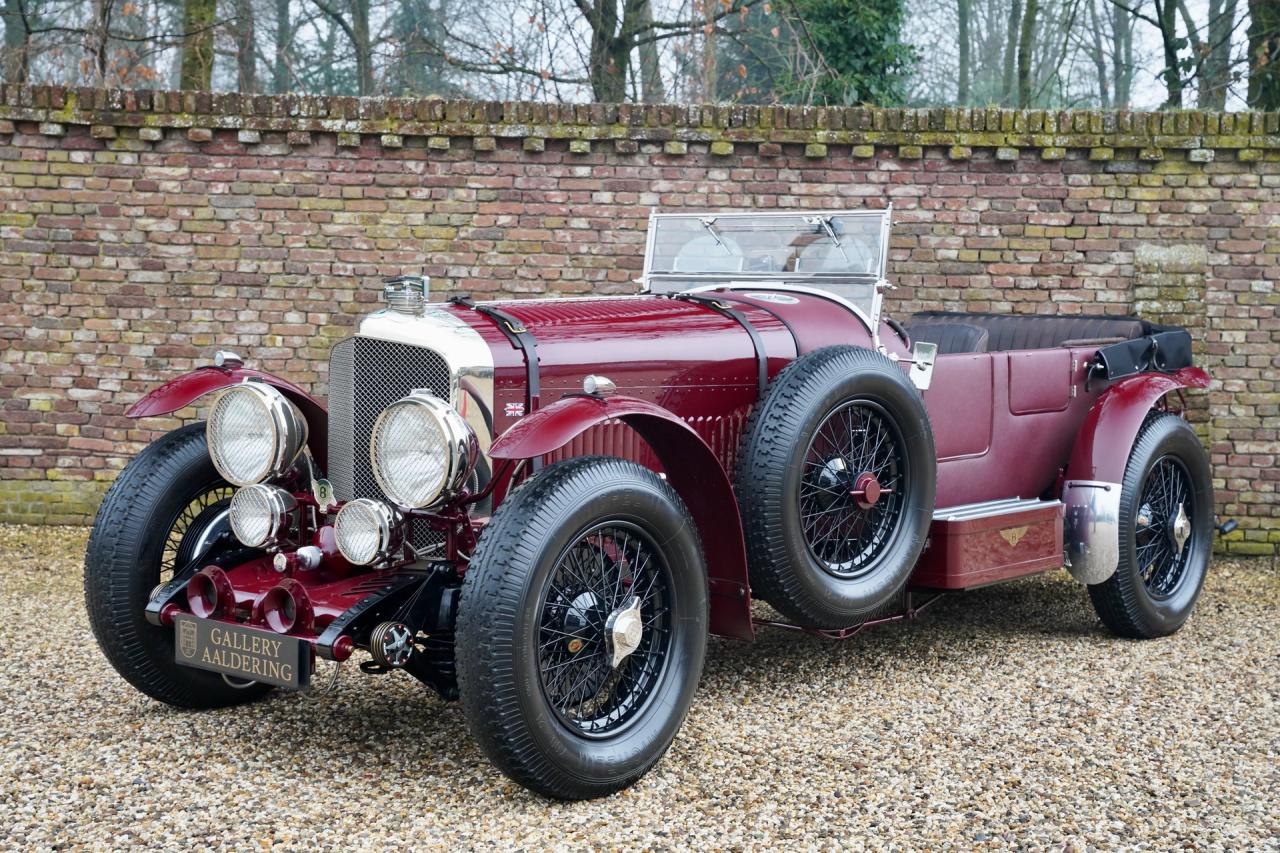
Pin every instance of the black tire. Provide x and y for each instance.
(123, 565)
(1155, 585)
(506, 648)
(796, 554)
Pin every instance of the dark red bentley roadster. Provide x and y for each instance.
(542, 508)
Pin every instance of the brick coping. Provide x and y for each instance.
(675, 126)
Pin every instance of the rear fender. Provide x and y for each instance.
(186, 389)
(692, 469)
(1091, 491)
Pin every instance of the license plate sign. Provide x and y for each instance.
(249, 654)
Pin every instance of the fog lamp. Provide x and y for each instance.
(367, 531)
(260, 514)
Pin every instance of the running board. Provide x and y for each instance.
(977, 544)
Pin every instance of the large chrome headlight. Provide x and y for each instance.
(259, 514)
(422, 451)
(254, 433)
(367, 531)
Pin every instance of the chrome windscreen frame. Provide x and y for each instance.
(797, 282)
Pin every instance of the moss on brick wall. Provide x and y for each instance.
(391, 120)
(139, 231)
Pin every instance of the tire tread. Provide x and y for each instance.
(124, 519)
(767, 444)
(486, 671)
(1117, 600)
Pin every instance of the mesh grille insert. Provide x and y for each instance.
(365, 376)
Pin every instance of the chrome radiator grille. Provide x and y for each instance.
(365, 376)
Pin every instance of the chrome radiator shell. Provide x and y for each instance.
(390, 355)
(365, 376)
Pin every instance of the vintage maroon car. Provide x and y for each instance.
(543, 507)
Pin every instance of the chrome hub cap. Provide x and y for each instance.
(625, 630)
(605, 628)
(1180, 528)
(1163, 527)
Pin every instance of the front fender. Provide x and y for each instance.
(692, 469)
(1091, 491)
(186, 389)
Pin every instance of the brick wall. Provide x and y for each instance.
(140, 230)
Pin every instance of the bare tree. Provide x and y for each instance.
(963, 8)
(1215, 75)
(246, 47)
(15, 62)
(197, 46)
(650, 62)
(281, 74)
(1122, 56)
(1026, 43)
(1097, 55)
(352, 17)
(1013, 33)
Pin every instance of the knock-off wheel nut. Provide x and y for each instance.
(624, 630)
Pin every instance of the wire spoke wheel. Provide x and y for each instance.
(836, 482)
(851, 493)
(596, 679)
(582, 627)
(1162, 548)
(1166, 532)
(183, 541)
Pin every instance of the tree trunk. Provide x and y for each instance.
(101, 39)
(651, 91)
(1214, 83)
(246, 48)
(1026, 44)
(1098, 56)
(1264, 55)
(1010, 51)
(962, 12)
(363, 45)
(15, 63)
(197, 45)
(709, 70)
(609, 72)
(283, 37)
(1122, 56)
(1167, 15)
(609, 54)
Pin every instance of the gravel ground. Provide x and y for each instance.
(1004, 717)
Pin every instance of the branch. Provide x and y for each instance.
(494, 67)
(1142, 16)
(114, 36)
(333, 15)
(695, 23)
